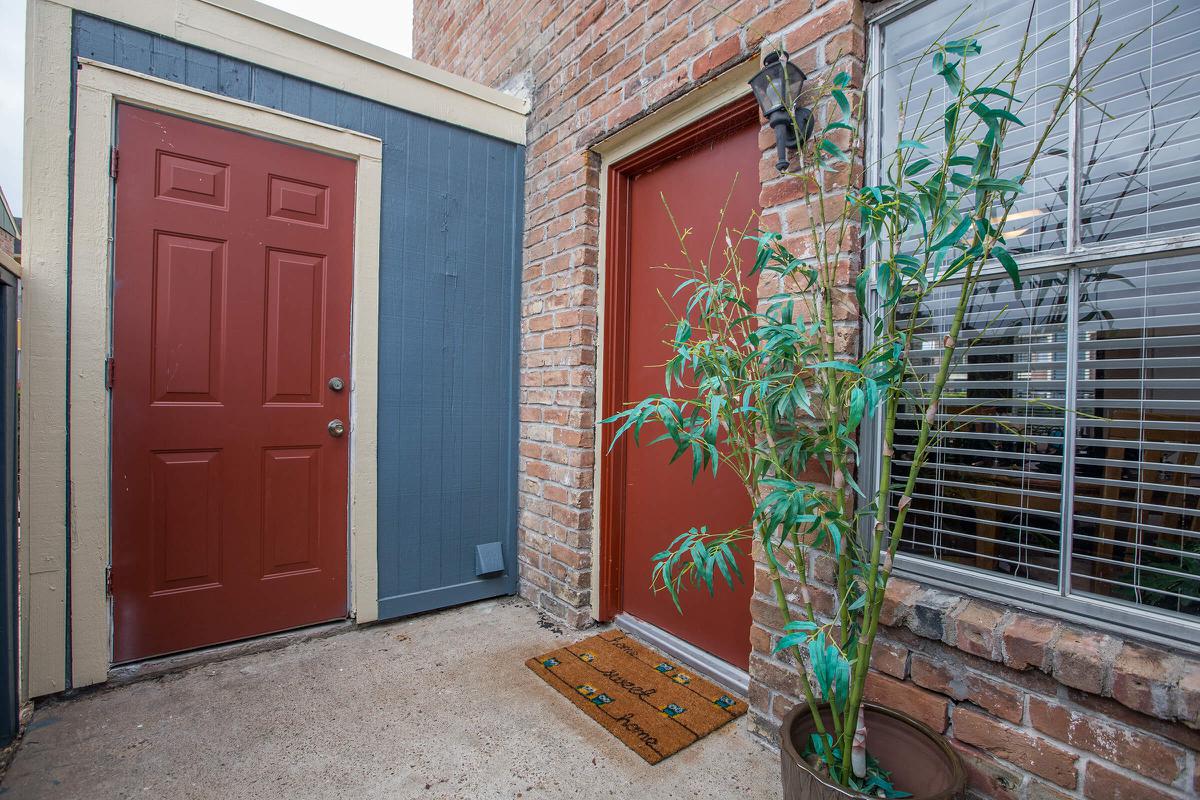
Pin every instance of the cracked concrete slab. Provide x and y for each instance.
(437, 707)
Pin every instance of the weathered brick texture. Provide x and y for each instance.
(1037, 708)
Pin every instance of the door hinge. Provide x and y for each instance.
(114, 162)
(108, 580)
(110, 372)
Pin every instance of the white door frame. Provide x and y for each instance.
(99, 89)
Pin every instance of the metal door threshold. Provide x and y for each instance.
(724, 673)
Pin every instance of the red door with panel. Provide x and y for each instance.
(231, 320)
(698, 173)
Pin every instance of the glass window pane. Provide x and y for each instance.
(1140, 134)
(1038, 220)
(1137, 455)
(990, 495)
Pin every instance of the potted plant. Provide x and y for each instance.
(762, 389)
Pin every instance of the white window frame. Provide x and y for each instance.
(1094, 612)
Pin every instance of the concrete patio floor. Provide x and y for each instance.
(437, 706)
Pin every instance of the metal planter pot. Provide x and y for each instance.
(921, 761)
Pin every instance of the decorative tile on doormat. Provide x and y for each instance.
(653, 705)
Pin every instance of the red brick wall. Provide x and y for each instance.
(1037, 708)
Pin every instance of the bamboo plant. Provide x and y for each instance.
(759, 387)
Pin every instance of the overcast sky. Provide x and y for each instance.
(387, 23)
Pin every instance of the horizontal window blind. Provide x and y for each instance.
(1038, 221)
(990, 493)
(1140, 131)
(1136, 527)
(1070, 454)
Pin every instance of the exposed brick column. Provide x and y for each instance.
(558, 392)
(829, 38)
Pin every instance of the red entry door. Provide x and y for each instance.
(660, 501)
(231, 306)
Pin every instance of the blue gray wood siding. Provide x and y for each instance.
(448, 316)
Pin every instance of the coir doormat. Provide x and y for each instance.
(650, 703)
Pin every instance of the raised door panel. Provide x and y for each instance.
(291, 510)
(192, 180)
(188, 318)
(295, 327)
(298, 201)
(185, 502)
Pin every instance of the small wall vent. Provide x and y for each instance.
(489, 558)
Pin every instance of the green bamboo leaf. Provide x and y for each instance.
(964, 47)
(916, 167)
(719, 557)
(857, 403)
(985, 91)
(802, 625)
(843, 103)
(1005, 114)
(816, 660)
(906, 144)
(1000, 185)
(791, 640)
(981, 167)
(843, 366)
(1010, 264)
(949, 73)
(952, 238)
(683, 331)
(951, 118)
(961, 181)
(835, 151)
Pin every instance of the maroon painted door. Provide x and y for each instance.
(659, 500)
(231, 307)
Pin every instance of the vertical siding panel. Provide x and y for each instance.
(450, 256)
(428, 390)
(478, 341)
(494, 362)
(323, 104)
(455, 494)
(510, 467)
(200, 69)
(374, 118)
(297, 96)
(233, 78)
(133, 47)
(266, 87)
(167, 60)
(399, 489)
(95, 38)
(349, 113)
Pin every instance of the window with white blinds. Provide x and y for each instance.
(1069, 472)
(990, 495)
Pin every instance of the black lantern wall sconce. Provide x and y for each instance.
(777, 89)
